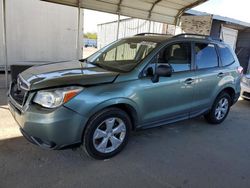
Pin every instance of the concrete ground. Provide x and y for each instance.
(186, 154)
(88, 51)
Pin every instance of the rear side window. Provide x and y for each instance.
(205, 56)
(227, 57)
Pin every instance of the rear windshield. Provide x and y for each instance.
(123, 55)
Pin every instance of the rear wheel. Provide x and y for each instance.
(107, 133)
(220, 109)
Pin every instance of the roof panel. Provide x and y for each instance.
(95, 5)
(170, 5)
(112, 1)
(183, 3)
(165, 11)
(141, 5)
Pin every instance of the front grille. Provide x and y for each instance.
(246, 94)
(18, 94)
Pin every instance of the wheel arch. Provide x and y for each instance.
(124, 104)
(130, 110)
(230, 90)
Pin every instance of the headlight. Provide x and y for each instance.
(56, 97)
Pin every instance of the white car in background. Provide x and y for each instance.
(245, 86)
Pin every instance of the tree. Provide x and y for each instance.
(90, 35)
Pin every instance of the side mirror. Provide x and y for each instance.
(162, 71)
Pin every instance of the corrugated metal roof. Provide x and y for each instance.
(166, 11)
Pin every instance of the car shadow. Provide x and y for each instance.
(244, 102)
(18, 148)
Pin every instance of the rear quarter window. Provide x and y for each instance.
(226, 55)
(205, 56)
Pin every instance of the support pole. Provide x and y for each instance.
(149, 26)
(177, 23)
(138, 25)
(118, 27)
(79, 41)
(5, 56)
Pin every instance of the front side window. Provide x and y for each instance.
(205, 56)
(123, 55)
(178, 55)
(226, 55)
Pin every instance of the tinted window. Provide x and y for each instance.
(177, 55)
(205, 56)
(226, 55)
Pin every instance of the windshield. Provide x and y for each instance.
(123, 55)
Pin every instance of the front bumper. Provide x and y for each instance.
(245, 91)
(51, 129)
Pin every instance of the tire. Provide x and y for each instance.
(213, 115)
(101, 139)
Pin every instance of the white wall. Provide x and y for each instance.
(229, 36)
(39, 31)
(128, 27)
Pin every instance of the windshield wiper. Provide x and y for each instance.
(96, 64)
(103, 66)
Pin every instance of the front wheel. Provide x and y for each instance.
(107, 133)
(220, 109)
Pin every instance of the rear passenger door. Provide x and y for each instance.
(208, 73)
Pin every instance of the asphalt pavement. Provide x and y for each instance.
(190, 153)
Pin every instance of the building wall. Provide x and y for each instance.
(215, 30)
(244, 38)
(243, 48)
(38, 31)
(243, 41)
(196, 24)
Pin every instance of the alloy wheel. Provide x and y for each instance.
(222, 108)
(109, 135)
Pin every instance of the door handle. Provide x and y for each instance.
(221, 74)
(189, 81)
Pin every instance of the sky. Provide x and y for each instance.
(237, 9)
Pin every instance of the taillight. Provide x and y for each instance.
(240, 70)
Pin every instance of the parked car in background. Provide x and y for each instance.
(245, 86)
(90, 43)
(138, 82)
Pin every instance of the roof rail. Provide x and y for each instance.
(143, 34)
(197, 36)
(192, 35)
(185, 35)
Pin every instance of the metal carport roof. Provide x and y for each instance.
(166, 11)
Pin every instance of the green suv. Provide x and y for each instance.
(143, 81)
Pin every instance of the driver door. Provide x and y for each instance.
(171, 98)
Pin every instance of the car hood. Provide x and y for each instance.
(66, 73)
